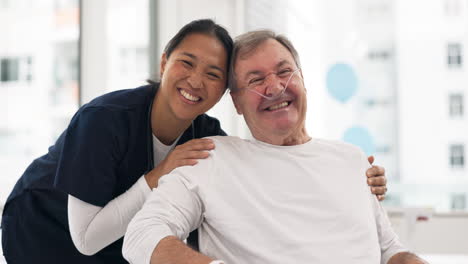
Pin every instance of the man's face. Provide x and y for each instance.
(285, 115)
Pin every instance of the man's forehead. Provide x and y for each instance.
(271, 45)
(270, 51)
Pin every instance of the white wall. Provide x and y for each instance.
(94, 60)
(439, 234)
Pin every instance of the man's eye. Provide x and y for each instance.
(284, 73)
(257, 80)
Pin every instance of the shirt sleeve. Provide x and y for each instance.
(388, 239)
(91, 151)
(92, 228)
(175, 208)
(389, 242)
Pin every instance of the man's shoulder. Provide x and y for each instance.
(227, 142)
(230, 147)
(337, 146)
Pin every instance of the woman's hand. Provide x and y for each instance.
(376, 179)
(186, 154)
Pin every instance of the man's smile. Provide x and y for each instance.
(278, 106)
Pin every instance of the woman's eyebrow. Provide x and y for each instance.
(189, 55)
(209, 65)
(216, 68)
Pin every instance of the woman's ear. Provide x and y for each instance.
(162, 65)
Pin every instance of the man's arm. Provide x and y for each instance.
(406, 258)
(390, 244)
(171, 250)
(171, 212)
(393, 252)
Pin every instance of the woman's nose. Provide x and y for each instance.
(195, 80)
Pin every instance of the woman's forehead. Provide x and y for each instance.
(202, 48)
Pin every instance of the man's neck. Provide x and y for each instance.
(297, 137)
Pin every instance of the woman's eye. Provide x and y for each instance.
(187, 63)
(214, 75)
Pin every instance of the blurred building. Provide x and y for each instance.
(432, 81)
(393, 82)
(40, 70)
(38, 80)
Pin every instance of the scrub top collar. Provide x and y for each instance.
(149, 134)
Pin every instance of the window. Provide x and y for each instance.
(457, 156)
(38, 82)
(133, 61)
(379, 55)
(458, 201)
(9, 69)
(454, 55)
(453, 8)
(15, 69)
(126, 43)
(371, 10)
(456, 105)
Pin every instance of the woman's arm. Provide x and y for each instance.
(376, 179)
(92, 228)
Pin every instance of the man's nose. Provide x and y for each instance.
(274, 86)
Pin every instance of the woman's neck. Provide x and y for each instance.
(164, 124)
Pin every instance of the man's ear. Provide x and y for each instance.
(235, 98)
(162, 65)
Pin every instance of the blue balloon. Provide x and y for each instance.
(359, 136)
(342, 82)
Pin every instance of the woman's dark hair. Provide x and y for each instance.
(204, 26)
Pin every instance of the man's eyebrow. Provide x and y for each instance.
(281, 63)
(257, 72)
(254, 72)
(195, 58)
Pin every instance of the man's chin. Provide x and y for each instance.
(283, 127)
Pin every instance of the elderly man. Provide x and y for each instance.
(274, 199)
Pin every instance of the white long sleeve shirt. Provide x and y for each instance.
(261, 203)
(92, 227)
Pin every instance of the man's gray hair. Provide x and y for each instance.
(246, 43)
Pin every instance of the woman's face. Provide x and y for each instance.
(193, 78)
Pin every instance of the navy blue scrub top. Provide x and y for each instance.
(106, 148)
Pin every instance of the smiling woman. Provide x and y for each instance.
(84, 192)
(193, 79)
